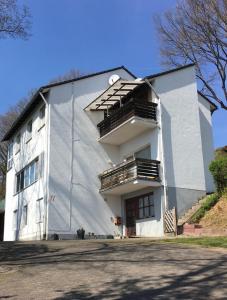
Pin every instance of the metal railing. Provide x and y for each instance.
(137, 168)
(143, 109)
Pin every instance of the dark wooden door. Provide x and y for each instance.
(132, 209)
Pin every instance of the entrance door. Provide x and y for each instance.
(132, 209)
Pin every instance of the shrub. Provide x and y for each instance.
(210, 201)
(218, 169)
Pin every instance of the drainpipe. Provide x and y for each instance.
(46, 165)
(164, 180)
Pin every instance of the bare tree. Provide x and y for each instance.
(196, 32)
(71, 74)
(6, 121)
(15, 20)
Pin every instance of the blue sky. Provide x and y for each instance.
(89, 35)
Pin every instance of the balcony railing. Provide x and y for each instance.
(144, 169)
(142, 109)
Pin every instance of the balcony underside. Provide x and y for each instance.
(130, 186)
(128, 130)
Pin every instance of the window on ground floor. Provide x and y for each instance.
(146, 206)
(15, 219)
(25, 215)
(39, 210)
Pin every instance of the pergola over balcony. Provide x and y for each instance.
(114, 94)
(128, 111)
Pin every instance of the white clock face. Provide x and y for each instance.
(113, 79)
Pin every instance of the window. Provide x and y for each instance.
(10, 156)
(15, 219)
(18, 142)
(25, 215)
(39, 210)
(27, 176)
(146, 206)
(144, 153)
(42, 116)
(29, 131)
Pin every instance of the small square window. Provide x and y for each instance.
(18, 143)
(29, 131)
(15, 219)
(42, 112)
(10, 156)
(25, 215)
(39, 210)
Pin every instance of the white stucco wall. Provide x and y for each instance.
(76, 159)
(207, 140)
(181, 129)
(28, 152)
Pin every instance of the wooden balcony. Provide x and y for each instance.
(130, 176)
(126, 122)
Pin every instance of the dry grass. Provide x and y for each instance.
(216, 218)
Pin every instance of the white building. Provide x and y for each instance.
(109, 153)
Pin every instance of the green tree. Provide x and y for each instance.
(218, 168)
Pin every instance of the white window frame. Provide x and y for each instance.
(39, 210)
(26, 171)
(42, 117)
(10, 156)
(29, 130)
(25, 215)
(15, 219)
(18, 143)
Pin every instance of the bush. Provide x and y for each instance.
(218, 169)
(207, 205)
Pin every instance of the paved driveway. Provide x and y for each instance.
(130, 269)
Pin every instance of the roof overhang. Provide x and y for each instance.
(115, 93)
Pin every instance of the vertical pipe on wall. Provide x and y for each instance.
(45, 227)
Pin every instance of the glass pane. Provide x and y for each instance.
(141, 202)
(151, 202)
(141, 213)
(144, 153)
(36, 169)
(21, 180)
(146, 212)
(32, 173)
(18, 183)
(146, 201)
(26, 177)
(152, 211)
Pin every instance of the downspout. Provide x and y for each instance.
(45, 234)
(164, 180)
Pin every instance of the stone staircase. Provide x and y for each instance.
(190, 212)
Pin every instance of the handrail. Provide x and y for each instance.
(137, 168)
(140, 108)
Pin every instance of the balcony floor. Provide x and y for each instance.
(130, 186)
(128, 130)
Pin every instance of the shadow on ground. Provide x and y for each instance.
(119, 270)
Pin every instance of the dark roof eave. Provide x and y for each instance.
(26, 111)
(88, 76)
(169, 71)
(29, 107)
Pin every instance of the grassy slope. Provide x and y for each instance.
(201, 241)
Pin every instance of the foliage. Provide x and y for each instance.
(221, 152)
(15, 20)
(196, 32)
(210, 201)
(204, 241)
(218, 168)
(71, 74)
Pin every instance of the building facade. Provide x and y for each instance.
(109, 153)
